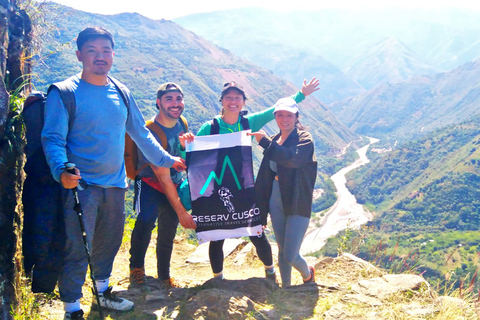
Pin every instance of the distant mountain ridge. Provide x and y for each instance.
(150, 52)
(407, 109)
(440, 39)
(388, 61)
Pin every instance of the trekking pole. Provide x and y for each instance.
(70, 168)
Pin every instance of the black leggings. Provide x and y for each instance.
(264, 252)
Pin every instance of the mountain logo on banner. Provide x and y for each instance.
(213, 175)
(221, 183)
(225, 196)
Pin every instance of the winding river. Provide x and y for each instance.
(345, 213)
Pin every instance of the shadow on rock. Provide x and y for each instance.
(230, 299)
(295, 302)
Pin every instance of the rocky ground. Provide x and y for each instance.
(347, 288)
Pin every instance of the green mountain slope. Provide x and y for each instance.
(150, 52)
(411, 108)
(425, 197)
(432, 182)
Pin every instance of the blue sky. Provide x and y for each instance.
(158, 9)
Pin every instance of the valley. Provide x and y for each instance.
(402, 79)
(345, 213)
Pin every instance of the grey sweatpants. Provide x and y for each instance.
(104, 219)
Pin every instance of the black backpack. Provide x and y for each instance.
(33, 116)
(43, 225)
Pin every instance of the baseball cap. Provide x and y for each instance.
(286, 104)
(172, 87)
(232, 85)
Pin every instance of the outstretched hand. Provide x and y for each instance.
(179, 164)
(258, 135)
(311, 87)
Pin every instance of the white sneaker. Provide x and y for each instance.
(109, 300)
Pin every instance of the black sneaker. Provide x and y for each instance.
(77, 315)
(109, 300)
(271, 275)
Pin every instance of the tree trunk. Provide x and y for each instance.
(14, 38)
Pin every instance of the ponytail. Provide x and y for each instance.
(298, 125)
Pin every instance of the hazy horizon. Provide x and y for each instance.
(169, 11)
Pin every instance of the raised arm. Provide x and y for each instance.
(311, 87)
(258, 119)
(307, 89)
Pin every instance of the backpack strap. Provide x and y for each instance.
(66, 90)
(130, 157)
(154, 127)
(184, 122)
(122, 90)
(214, 126)
(132, 148)
(244, 122)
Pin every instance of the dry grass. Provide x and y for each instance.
(334, 277)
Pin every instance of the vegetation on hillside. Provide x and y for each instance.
(427, 181)
(425, 198)
(447, 259)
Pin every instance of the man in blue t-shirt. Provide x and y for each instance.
(95, 142)
(156, 193)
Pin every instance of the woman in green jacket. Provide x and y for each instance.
(233, 100)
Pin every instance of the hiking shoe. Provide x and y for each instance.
(138, 279)
(271, 275)
(312, 276)
(109, 300)
(168, 284)
(77, 315)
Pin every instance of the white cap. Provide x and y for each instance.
(286, 104)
